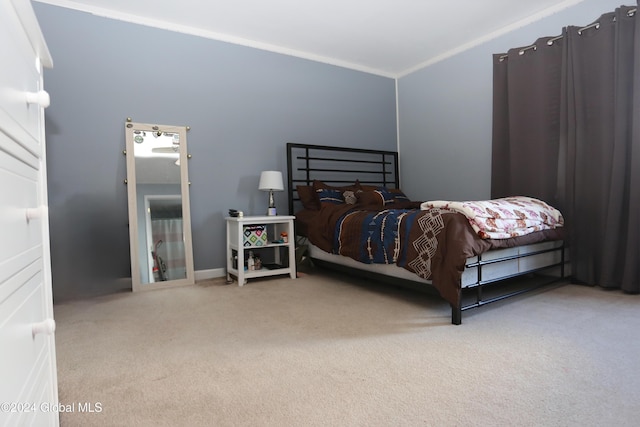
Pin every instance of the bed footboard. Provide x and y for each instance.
(479, 286)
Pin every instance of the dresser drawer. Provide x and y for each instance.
(21, 238)
(18, 313)
(22, 77)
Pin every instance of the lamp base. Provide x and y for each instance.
(271, 211)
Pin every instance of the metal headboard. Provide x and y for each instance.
(338, 166)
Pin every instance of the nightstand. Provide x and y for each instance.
(245, 234)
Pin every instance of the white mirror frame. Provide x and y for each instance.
(136, 263)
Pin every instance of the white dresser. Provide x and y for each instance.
(28, 379)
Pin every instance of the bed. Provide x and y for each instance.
(352, 216)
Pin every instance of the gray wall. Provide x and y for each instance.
(445, 112)
(242, 105)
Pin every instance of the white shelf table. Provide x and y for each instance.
(274, 225)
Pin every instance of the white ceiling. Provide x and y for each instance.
(385, 37)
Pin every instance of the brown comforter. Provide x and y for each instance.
(434, 244)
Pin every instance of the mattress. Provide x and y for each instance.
(471, 275)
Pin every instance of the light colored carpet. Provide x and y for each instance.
(327, 351)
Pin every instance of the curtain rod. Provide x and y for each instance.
(550, 42)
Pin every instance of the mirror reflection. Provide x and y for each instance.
(158, 206)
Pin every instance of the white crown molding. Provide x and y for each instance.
(165, 25)
(488, 37)
(141, 20)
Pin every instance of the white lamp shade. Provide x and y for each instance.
(271, 181)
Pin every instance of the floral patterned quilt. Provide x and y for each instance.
(504, 218)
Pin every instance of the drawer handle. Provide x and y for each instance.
(40, 97)
(47, 326)
(36, 213)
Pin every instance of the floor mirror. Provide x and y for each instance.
(159, 209)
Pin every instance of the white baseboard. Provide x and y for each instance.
(210, 274)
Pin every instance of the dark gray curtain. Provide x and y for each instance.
(584, 138)
(526, 121)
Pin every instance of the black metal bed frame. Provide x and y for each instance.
(329, 164)
(340, 165)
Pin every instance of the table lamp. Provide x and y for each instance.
(271, 181)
